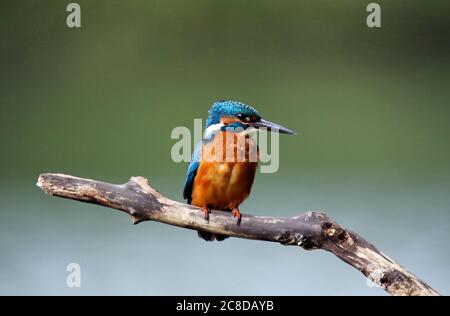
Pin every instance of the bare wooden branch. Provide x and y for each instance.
(311, 230)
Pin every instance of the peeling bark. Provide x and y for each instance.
(311, 230)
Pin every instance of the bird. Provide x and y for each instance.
(224, 163)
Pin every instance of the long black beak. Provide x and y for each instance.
(272, 127)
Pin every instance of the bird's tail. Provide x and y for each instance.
(210, 236)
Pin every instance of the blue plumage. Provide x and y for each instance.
(191, 172)
(229, 108)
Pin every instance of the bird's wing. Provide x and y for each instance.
(191, 172)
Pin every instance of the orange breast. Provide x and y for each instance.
(226, 172)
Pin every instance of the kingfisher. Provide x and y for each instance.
(223, 165)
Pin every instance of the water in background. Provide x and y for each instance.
(371, 108)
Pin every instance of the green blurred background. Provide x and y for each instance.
(371, 107)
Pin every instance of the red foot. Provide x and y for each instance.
(206, 212)
(236, 213)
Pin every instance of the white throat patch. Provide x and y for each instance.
(213, 129)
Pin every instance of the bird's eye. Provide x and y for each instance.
(243, 117)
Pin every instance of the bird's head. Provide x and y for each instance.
(236, 116)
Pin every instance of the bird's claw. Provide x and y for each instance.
(236, 213)
(206, 212)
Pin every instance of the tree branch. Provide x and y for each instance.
(311, 230)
